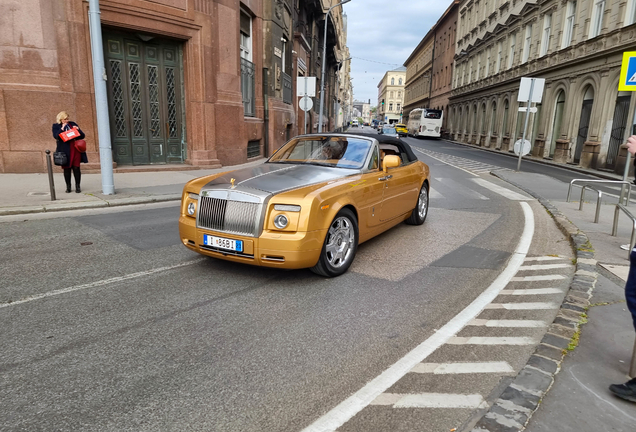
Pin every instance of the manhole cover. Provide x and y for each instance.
(39, 194)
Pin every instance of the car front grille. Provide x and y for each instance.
(234, 217)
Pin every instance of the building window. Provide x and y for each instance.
(478, 67)
(526, 43)
(487, 62)
(392, 81)
(400, 81)
(398, 108)
(568, 27)
(246, 36)
(630, 14)
(391, 107)
(547, 29)
(499, 56)
(511, 55)
(596, 23)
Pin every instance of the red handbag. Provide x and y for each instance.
(80, 145)
(69, 134)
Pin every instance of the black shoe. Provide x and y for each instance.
(634, 181)
(77, 189)
(68, 188)
(625, 391)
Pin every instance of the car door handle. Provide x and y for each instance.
(385, 177)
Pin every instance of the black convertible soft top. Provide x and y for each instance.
(384, 139)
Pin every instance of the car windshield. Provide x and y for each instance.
(338, 151)
(388, 130)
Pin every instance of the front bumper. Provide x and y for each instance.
(272, 249)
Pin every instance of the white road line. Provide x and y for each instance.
(523, 306)
(544, 266)
(432, 193)
(545, 258)
(505, 192)
(430, 400)
(508, 323)
(537, 278)
(463, 368)
(348, 408)
(99, 283)
(444, 162)
(537, 291)
(505, 340)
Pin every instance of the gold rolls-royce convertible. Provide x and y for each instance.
(309, 205)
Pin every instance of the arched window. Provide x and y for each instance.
(475, 119)
(584, 122)
(400, 81)
(493, 118)
(483, 119)
(392, 81)
(504, 127)
(557, 121)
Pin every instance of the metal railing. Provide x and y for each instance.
(248, 88)
(599, 197)
(287, 88)
(632, 241)
(629, 187)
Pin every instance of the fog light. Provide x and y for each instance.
(280, 221)
(191, 209)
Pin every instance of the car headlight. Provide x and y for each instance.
(193, 196)
(192, 208)
(281, 221)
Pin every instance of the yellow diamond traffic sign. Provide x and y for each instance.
(627, 82)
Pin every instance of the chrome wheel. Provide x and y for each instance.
(340, 242)
(422, 203)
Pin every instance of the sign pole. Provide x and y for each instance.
(305, 116)
(525, 126)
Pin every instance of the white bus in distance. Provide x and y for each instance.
(425, 122)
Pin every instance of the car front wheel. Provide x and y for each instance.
(341, 244)
(418, 216)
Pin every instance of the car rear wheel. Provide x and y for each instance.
(418, 216)
(341, 244)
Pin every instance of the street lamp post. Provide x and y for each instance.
(324, 62)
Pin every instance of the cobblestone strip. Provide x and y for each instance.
(514, 407)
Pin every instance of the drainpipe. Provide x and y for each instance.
(266, 111)
(101, 100)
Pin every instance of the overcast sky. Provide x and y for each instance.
(385, 31)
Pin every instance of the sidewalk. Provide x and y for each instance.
(30, 193)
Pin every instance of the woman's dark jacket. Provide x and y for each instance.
(66, 146)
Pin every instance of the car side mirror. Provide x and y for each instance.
(390, 161)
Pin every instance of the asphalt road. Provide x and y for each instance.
(110, 324)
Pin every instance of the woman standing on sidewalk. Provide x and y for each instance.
(74, 157)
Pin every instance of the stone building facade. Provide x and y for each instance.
(199, 82)
(577, 46)
(433, 57)
(391, 96)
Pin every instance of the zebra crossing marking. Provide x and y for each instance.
(463, 368)
(471, 166)
(537, 278)
(535, 291)
(485, 340)
(508, 323)
(543, 266)
(545, 258)
(431, 400)
(523, 306)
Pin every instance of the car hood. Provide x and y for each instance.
(276, 178)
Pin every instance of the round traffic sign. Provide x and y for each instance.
(306, 103)
(526, 147)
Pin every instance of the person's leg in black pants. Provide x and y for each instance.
(78, 177)
(67, 179)
(628, 390)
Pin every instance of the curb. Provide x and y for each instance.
(85, 205)
(512, 411)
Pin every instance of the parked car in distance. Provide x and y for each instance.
(309, 206)
(354, 123)
(401, 129)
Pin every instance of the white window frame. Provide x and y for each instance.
(246, 44)
(470, 71)
(513, 47)
(630, 13)
(499, 56)
(547, 30)
(478, 66)
(596, 23)
(488, 53)
(568, 25)
(526, 43)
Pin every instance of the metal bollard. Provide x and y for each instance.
(49, 167)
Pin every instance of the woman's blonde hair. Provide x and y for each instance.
(61, 116)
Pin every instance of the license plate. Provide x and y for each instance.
(223, 243)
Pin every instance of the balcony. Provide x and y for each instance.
(287, 88)
(247, 88)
